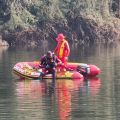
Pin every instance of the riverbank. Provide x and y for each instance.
(78, 30)
(31, 23)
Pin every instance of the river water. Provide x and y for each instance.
(92, 99)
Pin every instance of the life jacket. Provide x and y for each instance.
(61, 49)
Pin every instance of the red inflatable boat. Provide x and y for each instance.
(73, 70)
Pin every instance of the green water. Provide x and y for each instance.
(92, 99)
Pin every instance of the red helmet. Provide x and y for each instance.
(60, 37)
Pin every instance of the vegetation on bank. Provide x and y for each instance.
(29, 22)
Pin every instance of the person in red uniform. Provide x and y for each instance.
(62, 49)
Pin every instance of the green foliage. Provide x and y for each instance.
(29, 12)
(96, 8)
(20, 16)
(88, 19)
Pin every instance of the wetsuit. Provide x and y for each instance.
(50, 66)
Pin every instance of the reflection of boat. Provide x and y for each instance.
(36, 87)
(73, 70)
(64, 97)
(33, 88)
(95, 84)
(91, 85)
(65, 92)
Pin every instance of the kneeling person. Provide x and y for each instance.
(49, 62)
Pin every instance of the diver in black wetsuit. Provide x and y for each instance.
(49, 62)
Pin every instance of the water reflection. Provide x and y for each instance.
(2, 51)
(3, 54)
(89, 99)
(29, 99)
(91, 86)
(55, 102)
(64, 91)
(31, 88)
(45, 45)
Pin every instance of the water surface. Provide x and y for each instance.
(91, 99)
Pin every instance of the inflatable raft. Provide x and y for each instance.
(73, 70)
